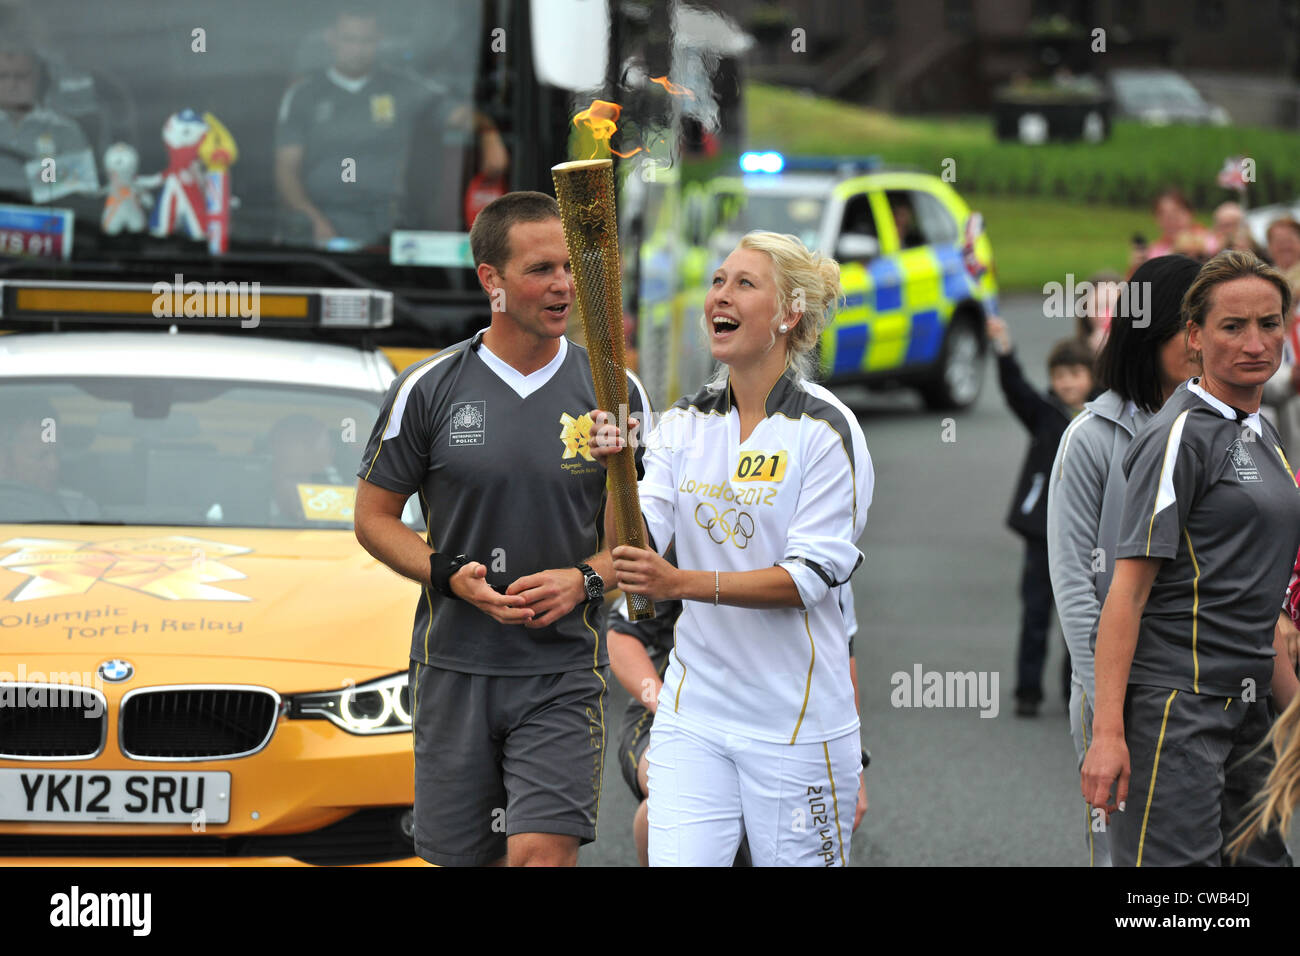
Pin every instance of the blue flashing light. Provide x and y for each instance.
(764, 162)
(774, 162)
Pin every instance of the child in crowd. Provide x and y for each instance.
(1045, 415)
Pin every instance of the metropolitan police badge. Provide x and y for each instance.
(467, 423)
(1242, 463)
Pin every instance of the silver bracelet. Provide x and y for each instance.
(715, 588)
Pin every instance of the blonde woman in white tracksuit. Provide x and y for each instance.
(1143, 362)
(763, 480)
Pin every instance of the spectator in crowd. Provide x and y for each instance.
(1180, 233)
(1230, 231)
(1283, 238)
(1046, 417)
(1281, 398)
(1093, 318)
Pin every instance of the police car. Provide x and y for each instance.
(916, 268)
(198, 662)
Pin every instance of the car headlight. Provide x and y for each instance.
(378, 707)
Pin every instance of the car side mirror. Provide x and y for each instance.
(854, 246)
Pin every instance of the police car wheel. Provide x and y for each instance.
(960, 368)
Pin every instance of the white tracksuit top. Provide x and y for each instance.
(795, 493)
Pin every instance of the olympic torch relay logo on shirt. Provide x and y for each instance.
(574, 435)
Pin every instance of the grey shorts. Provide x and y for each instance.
(1194, 768)
(496, 756)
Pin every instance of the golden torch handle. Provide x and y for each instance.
(585, 191)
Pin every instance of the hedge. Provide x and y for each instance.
(1128, 169)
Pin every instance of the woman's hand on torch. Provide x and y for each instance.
(605, 438)
(642, 571)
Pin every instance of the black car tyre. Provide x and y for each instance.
(960, 370)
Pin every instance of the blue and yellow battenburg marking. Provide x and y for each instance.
(897, 308)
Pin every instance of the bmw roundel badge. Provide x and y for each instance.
(116, 671)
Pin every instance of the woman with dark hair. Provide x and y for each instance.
(1144, 359)
(1187, 650)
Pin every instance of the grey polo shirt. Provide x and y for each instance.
(369, 121)
(39, 134)
(505, 479)
(1210, 491)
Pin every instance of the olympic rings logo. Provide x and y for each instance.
(722, 528)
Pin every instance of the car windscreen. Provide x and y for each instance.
(171, 451)
(797, 215)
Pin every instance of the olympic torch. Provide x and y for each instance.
(585, 191)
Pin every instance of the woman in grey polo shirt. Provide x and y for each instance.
(1145, 358)
(1185, 654)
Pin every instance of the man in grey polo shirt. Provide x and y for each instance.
(509, 671)
(370, 115)
(28, 130)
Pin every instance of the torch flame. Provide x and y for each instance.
(601, 120)
(671, 87)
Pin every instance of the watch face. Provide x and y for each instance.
(595, 587)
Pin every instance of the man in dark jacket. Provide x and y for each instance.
(1046, 416)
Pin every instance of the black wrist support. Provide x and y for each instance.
(441, 568)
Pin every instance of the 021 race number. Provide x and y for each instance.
(761, 466)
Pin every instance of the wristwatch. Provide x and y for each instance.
(866, 758)
(592, 582)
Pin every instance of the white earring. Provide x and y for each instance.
(784, 327)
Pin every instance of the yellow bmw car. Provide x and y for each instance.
(198, 662)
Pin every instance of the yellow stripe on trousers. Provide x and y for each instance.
(595, 664)
(834, 801)
(1155, 765)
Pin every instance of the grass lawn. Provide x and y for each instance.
(1039, 240)
(1049, 209)
(782, 118)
